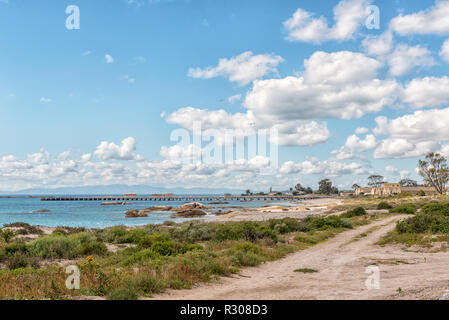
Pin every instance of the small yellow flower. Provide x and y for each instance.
(89, 261)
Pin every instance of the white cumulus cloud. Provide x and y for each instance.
(111, 151)
(348, 15)
(242, 69)
(431, 21)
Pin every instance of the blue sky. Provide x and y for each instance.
(59, 94)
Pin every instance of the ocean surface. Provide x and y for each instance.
(91, 214)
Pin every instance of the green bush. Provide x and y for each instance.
(193, 231)
(317, 223)
(7, 235)
(384, 206)
(248, 247)
(136, 235)
(286, 225)
(250, 231)
(120, 235)
(436, 207)
(139, 257)
(421, 193)
(247, 259)
(59, 232)
(405, 208)
(422, 222)
(356, 212)
(91, 248)
(55, 247)
(17, 261)
(128, 291)
(246, 254)
(148, 284)
(14, 248)
(117, 234)
(164, 248)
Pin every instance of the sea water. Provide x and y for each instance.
(91, 214)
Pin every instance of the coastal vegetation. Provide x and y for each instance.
(427, 227)
(127, 263)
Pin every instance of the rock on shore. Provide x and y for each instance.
(190, 213)
(135, 214)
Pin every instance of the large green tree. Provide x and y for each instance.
(408, 183)
(435, 171)
(375, 180)
(325, 187)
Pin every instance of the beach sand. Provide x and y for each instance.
(297, 210)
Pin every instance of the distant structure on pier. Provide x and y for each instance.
(164, 195)
(130, 195)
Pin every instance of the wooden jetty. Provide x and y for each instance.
(179, 198)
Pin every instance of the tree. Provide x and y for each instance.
(325, 187)
(375, 180)
(299, 187)
(435, 171)
(308, 190)
(408, 183)
(355, 186)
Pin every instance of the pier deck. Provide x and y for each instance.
(177, 198)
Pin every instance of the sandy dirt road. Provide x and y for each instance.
(341, 263)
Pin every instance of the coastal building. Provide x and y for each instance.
(388, 189)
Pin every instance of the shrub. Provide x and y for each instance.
(248, 247)
(193, 231)
(356, 212)
(163, 244)
(247, 259)
(59, 231)
(281, 228)
(55, 247)
(436, 207)
(246, 254)
(384, 206)
(423, 222)
(421, 193)
(148, 284)
(14, 248)
(17, 261)
(164, 248)
(136, 235)
(306, 270)
(94, 247)
(126, 292)
(286, 225)
(405, 208)
(117, 234)
(7, 235)
(250, 231)
(183, 248)
(327, 223)
(140, 256)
